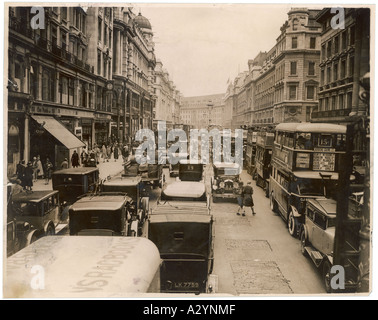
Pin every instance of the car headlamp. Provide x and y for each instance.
(221, 184)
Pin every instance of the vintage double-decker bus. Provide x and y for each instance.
(264, 150)
(305, 164)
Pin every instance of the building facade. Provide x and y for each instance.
(80, 77)
(49, 75)
(202, 112)
(297, 72)
(345, 59)
(168, 98)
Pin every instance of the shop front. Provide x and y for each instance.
(49, 138)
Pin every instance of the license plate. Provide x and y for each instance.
(186, 285)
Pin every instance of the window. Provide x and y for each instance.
(105, 34)
(341, 101)
(47, 86)
(63, 12)
(335, 72)
(54, 36)
(63, 40)
(292, 92)
(18, 71)
(352, 35)
(312, 43)
(295, 24)
(329, 49)
(99, 29)
(63, 89)
(349, 100)
(351, 66)
(105, 64)
(333, 103)
(342, 69)
(320, 220)
(294, 43)
(311, 68)
(293, 68)
(328, 74)
(323, 51)
(83, 23)
(337, 44)
(98, 62)
(71, 90)
(77, 22)
(310, 92)
(322, 77)
(344, 40)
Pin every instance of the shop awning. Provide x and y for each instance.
(59, 131)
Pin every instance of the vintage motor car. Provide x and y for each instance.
(102, 214)
(191, 170)
(174, 168)
(134, 188)
(74, 182)
(151, 173)
(19, 233)
(318, 237)
(84, 267)
(39, 209)
(226, 182)
(181, 226)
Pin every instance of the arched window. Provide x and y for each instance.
(295, 24)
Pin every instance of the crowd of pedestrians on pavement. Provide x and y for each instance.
(34, 170)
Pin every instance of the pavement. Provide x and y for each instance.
(108, 168)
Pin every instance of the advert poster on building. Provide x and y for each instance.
(187, 150)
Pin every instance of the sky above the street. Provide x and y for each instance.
(203, 46)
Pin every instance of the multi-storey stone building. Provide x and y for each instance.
(49, 79)
(84, 77)
(168, 98)
(345, 59)
(281, 85)
(263, 105)
(133, 64)
(203, 111)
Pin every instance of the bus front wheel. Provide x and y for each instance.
(292, 224)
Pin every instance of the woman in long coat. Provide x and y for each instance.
(40, 167)
(28, 176)
(248, 200)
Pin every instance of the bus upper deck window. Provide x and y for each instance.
(304, 141)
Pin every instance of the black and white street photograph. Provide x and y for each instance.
(197, 150)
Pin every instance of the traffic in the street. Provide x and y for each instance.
(120, 185)
(192, 218)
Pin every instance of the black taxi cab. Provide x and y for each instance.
(39, 209)
(134, 188)
(181, 226)
(101, 214)
(226, 182)
(74, 182)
